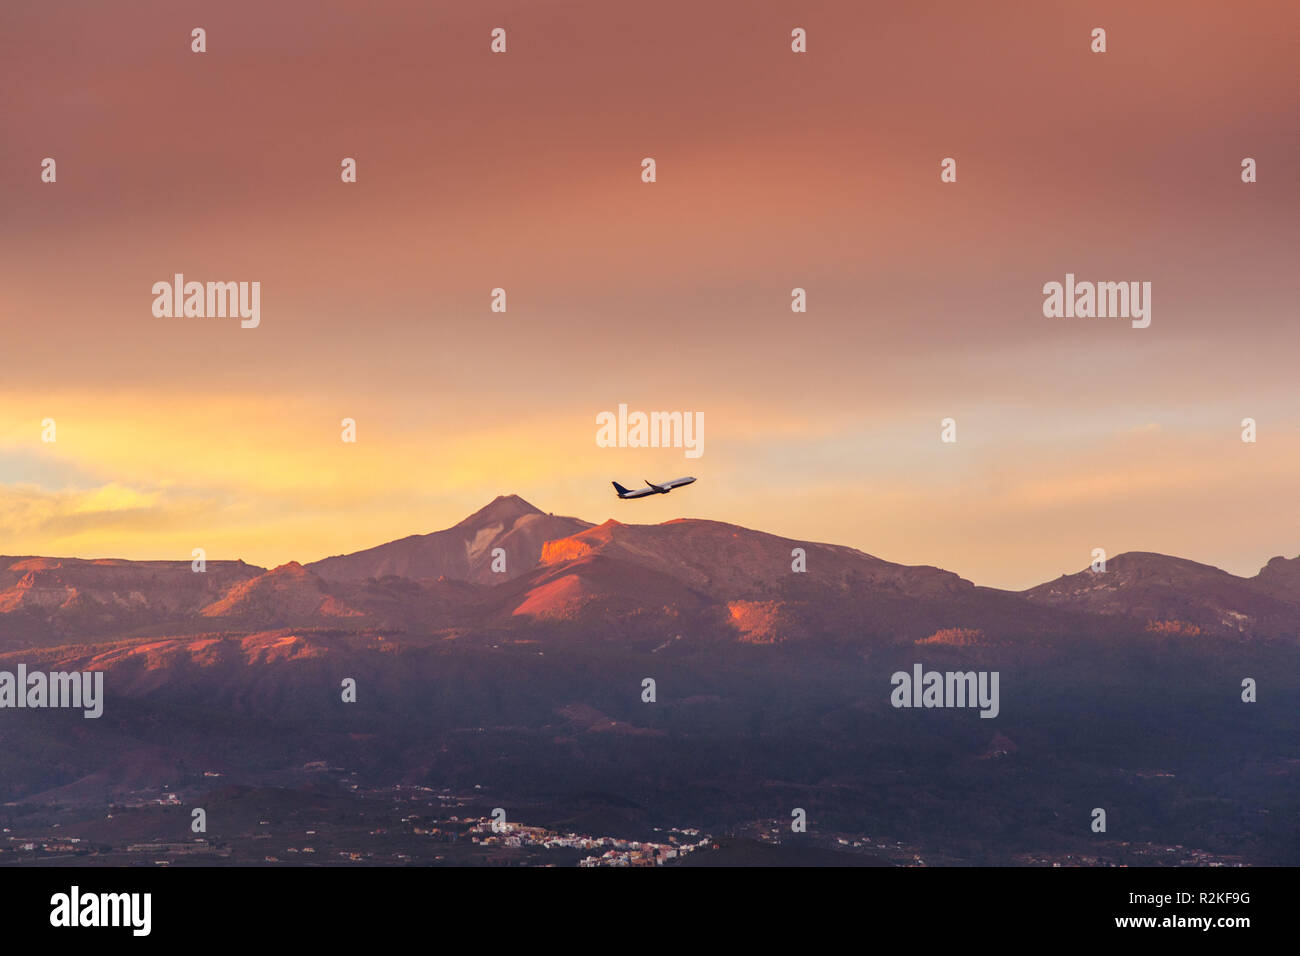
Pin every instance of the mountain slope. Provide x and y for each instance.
(727, 560)
(717, 581)
(283, 595)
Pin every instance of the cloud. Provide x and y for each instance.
(28, 510)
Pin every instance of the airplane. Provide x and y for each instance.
(654, 489)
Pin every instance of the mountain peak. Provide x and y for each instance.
(463, 552)
(501, 509)
(1281, 578)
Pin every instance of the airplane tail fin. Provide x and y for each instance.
(619, 488)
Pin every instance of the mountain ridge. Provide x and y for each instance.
(509, 564)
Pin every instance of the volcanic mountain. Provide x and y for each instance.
(462, 552)
(1157, 588)
(568, 580)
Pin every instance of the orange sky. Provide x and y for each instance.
(775, 170)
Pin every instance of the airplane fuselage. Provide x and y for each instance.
(652, 489)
